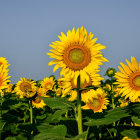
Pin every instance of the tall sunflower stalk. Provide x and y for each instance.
(78, 55)
(79, 111)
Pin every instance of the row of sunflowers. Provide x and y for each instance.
(80, 104)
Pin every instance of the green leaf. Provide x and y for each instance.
(136, 120)
(20, 137)
(10, 138)
(130, 133)
(2, 124)
(80, 136)
(58, 103)
(43, 127)
(54, 133)
(111, 116)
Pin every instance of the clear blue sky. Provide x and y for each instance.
(27, 27)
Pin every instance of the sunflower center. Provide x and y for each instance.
(38, 100)
(135, 81)
(77, 57)
(48, 86)
(95, 103)
(25, 86)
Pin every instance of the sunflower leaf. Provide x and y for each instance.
(111, 116)
(57, 103)
(54, 133)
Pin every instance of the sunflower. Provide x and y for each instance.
(47, 83)
(128, 79)
(94, 80)
(3, 62)
(4, 79)
(76, 54)
(25, 88)
(97, 100)
(38, 102)
(126, 138)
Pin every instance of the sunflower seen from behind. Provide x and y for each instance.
(68, 83)
(128, 79)
(76, 54)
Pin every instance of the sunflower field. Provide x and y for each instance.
(80, 104)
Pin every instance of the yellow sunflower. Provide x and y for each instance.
(128, 79)
(9, 88)
(97, 100)
(68, 83)
(77, 54)
(25, 88)
(4, 78)
(47, 83)
(38, 102)
(3, 62)
(126, 138)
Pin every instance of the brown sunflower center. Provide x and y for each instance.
(135, 81)
(77, 57)
(25, 86)
(96, 104)
(38, 100)
(48, 86)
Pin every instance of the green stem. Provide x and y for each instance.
(113, 105)
(109, 133)
(87, 133)
(31, 114)
(79, 116)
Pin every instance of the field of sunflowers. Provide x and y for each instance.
(80, 104)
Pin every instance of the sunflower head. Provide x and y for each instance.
(25, 88)
(128, 79)
(47, 83)
(76, 54)
(97, 100)
(38, 103)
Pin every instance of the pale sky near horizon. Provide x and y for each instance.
(27, 27)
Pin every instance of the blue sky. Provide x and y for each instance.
(27, 27)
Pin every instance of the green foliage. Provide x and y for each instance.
(110, 117)
(57, 132)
